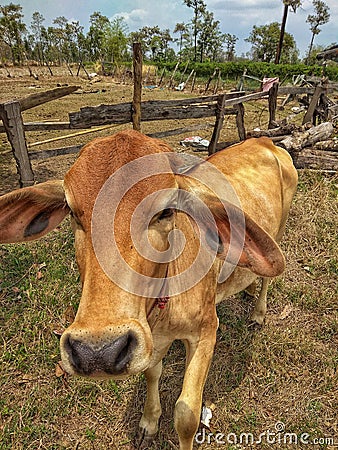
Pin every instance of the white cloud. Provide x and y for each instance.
(163, 17)
(134, 19)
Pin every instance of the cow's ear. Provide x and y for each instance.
(235, 236)
(29, 213)
(242, 241)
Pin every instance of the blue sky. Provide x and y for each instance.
(236, 17)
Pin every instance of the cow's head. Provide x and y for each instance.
(123, 194)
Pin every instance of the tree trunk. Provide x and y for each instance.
(195, 37)
(281, 36)
(310, 48)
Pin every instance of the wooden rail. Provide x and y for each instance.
(47, 96)
(190, 108)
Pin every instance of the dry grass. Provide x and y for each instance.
(284, 372)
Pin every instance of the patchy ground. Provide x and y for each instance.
(279, 382)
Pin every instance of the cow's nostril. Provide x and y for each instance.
(82, 357)
(112, 358)
(118, 354)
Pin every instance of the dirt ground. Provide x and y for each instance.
(282, 378)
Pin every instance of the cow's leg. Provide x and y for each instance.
(189, 403)
(251, 289)
(152, 408)
(259, 311)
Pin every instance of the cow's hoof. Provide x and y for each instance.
(143, 441)
(256, 320)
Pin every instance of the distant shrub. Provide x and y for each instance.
(234, 70)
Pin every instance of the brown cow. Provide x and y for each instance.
(157, 247)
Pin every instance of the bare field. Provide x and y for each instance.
(277, 387)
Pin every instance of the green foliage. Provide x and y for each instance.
(95, 37)
(199, 8)
(154, 41)
(264, 40)
(204, 37)
(115, 40)
(234, 70)
(321, 17)
(12, 29)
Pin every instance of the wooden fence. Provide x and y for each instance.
(105, 115)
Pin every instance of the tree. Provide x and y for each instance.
(312, 58)
(12, 30)
(60, 38)
(294, 4)
(264, 40)
(210, 38)
(230, 43)
(36, 27)
(95, 35)
(184, 32)
(51, 43)
(75, 44)
(320, 17)
(186, 45)
(115, 40)
(153, 40)
(39, 40)
(199, 8)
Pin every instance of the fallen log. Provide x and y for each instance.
(299, 140)
(331, 145)
(309, 158)
(274, 132)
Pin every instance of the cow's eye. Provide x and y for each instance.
(166, 213)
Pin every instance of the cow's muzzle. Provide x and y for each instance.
(111, 358)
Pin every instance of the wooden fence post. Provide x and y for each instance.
(10, 113)
(273, 91)
(193, 82)
(173, 75)
(240, 121)
(218, 124)
(210, 79)
(310, 115)
(161, 77)
(137, 66)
